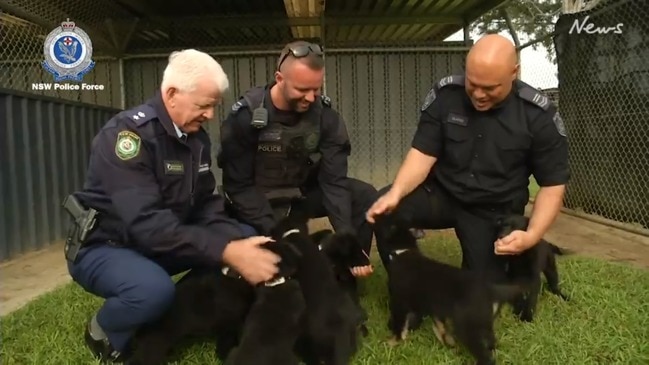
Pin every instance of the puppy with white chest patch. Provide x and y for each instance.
(329, 332)
(344, 252)
(461, 302)
(207, 303)
(274, 321)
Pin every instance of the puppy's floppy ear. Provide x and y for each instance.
(284, 249)
(327, 243)
(320, 235)
(294, 249)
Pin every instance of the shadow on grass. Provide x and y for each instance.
(605, 323)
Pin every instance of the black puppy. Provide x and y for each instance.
(207, 303)
(273, 324)
(528, 267)
(460, 302)
(329, 325)
(344, 251)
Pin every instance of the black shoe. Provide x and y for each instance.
(102, 349)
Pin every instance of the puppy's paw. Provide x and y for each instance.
(393, 341)
(527, 317)
(414, 321)
(449, 340)
(364, 331)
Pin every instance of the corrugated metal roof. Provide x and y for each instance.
(400, 20)
(143, 26)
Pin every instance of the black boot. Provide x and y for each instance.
(102, 349)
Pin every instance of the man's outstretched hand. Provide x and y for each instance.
(362, 271)
(514, 243)
(254, 263)
(384, 205)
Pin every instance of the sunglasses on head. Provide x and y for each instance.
(301, 51)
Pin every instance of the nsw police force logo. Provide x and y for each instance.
(68, 52)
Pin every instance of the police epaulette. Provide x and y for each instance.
(241, 102)
(457, 80)
(326, 101)
(141, 114)
(450, 80)
(534, 96)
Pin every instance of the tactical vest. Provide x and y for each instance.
(285, 153)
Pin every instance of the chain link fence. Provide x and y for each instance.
(603, 96)
(601, 84)
(379, 93)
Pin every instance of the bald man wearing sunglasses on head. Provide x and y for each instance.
(283, 146)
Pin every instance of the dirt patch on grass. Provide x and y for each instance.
(592, 239)
(600, 241)
(31, 275)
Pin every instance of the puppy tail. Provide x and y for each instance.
(558, 250)
(506, 292)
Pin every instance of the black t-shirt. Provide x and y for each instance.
(286, 117)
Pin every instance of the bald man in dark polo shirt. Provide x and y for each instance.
(480, 137)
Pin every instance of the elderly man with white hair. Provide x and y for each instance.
(150, 181)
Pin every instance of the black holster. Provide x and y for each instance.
(82, 223)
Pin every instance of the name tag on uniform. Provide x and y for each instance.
(270, 135)
(203, 167)
(174, 167)
(457, 119)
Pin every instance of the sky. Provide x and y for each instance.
(536, 70)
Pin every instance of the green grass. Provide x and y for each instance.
(607, 322)
(533, 187)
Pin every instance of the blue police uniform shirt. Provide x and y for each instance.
(182, 135)
(154, 189)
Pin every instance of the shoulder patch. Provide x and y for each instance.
(535, 97)
(127, 145)
(326, 101)
(558, 122)
(457, 80)
(141, 114)
(430, 97)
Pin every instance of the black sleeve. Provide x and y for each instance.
(135, 195)
(237, 160)
(332, 176)
(428, 137)
(549, 155)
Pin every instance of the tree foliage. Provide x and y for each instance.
(525, 20)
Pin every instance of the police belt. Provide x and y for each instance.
(283, 195)
(481, 208)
